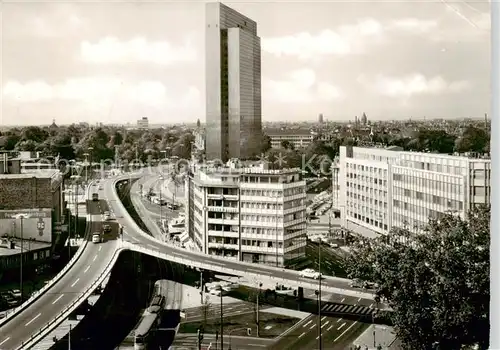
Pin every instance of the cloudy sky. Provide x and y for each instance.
(116, 62)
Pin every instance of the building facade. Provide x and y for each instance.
(297, 138)
(385, 188)
(143, 123)
(36, 197)
(233, 84)
(248, 214)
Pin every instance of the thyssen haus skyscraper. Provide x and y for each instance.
(233, 84)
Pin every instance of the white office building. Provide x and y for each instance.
(385, 188)
(233, 84)
(248, 214)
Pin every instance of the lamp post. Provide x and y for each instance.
(86, 155)
(90, 149)
(258, 323)
(161, 201)
(222, 323)
(319, 296)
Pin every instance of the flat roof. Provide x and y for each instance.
(27, 246)
(41, 174)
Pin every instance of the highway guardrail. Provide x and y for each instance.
(56, 278)
(48, 327)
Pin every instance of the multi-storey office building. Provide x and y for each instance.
(233, 84)
(385, 188)
(248, 214)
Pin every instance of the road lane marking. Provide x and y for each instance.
(344, 332)
(325, 324)
(342, 300)
(34, 318)
(370, 306)
(339, 320)
(100, 247)
(5, 340)
(359, 300)
(95, 257)
(58, 298)
(342, 325)
(307, 324)
(300, 336)
(329, 328)
(85, 271)
(75, 282)
(323, 318)
(312, 326)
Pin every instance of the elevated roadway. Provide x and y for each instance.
(53, 306)
(19, 329)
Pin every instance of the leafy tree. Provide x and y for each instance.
(9, 140)
(34, 133)
(438, 286)
(182, 148)
(265, 143)
(26, 145)
(62, 146)
(285, 144)
(473, 140)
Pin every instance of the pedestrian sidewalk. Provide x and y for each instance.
(376, 336)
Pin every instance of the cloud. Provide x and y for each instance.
(300, 87)
(414, 84)
(344, 40)
(137, 50)
(87, 90)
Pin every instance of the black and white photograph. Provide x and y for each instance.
(249, 175)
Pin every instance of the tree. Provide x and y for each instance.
(438, 286)
(265, 144)
(285, 144)
(473, 140)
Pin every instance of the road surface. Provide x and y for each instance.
(83, 273)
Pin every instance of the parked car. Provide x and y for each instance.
(356, 284)
(16, 293)
(310, 273)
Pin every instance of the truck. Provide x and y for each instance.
(95, 197)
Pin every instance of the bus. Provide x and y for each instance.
(146, 330)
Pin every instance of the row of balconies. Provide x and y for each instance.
(271, 186)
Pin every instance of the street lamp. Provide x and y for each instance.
(258, 325)
(319, 296)
(161, 202)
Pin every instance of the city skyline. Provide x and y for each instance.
(390, 60)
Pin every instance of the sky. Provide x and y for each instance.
(115, 62)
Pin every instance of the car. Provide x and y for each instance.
(106, 215)
(16, 293)
(106, 228)
(96, 237)
(310, 273)
(369, 285)
(334, 245)
(356, 284)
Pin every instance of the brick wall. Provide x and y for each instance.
(19, 193)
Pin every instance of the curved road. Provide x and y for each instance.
(95, 259)
(86, 269)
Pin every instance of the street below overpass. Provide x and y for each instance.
(29, 321)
